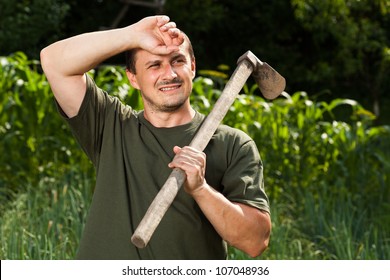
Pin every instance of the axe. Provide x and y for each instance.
(271, 85)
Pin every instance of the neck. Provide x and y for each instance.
(169, 119)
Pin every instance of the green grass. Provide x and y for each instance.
(326, 168)
(46, 221)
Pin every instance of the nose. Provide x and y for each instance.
(169, 72)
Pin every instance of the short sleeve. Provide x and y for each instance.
(93, 117)
(243, 180)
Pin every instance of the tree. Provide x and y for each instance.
(348, 44)
(29, 24)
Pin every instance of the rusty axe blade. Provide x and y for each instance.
(270, 83)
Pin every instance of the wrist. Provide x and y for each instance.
(129, 35)
(199, 191)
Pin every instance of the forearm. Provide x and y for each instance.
(66, 61)
(79, 54)
(242, 226)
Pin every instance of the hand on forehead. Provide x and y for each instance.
(169, 36)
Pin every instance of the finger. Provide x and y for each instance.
(190, 166)
(187, 150)
(195, 154)
(176, 35)
(161, 20)
(176, 149)
(188, 156)
(165, 50)
(173, 38)
(170, 43)
(168, 26)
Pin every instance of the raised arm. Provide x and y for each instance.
(65, 62)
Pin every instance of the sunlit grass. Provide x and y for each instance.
(46, 221)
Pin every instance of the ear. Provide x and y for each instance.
(132, 79)
(193, 68)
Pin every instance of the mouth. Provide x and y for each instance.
(169, 88)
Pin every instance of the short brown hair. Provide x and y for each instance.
(130, 55)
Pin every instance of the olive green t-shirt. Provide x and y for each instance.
(131, 158)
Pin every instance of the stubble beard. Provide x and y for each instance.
(167, 106)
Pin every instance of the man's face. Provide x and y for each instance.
(165, 81)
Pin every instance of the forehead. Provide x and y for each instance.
(143, 56)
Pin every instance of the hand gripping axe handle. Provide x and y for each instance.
(271, 85)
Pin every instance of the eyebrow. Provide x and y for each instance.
(178, 55)
(152, 62)
(158, 61)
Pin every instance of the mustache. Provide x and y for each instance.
(173, 81)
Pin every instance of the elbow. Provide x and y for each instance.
(49, 59)
(49, 63)
(258, 249)
(252, 236)
(259, 242)
(253, 248)
(264, 238)
(44, 59)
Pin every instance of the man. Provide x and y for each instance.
(223, 197)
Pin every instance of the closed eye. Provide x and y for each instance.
(153, 64)
(179, 61)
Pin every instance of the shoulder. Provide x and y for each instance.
(229, 143)
(105, 102)
(227, 133)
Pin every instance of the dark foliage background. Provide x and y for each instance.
(337, 48)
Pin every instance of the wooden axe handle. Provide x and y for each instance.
(169, 190)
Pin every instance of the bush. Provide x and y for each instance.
(34, 138)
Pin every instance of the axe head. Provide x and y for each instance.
(270, 82)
